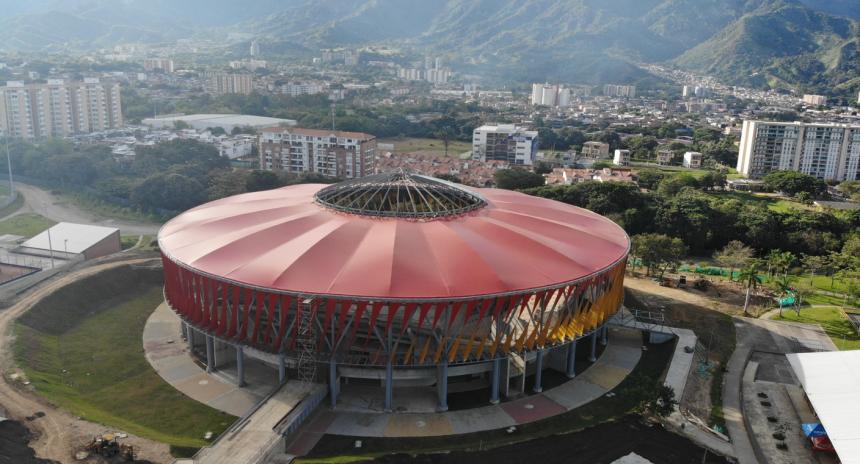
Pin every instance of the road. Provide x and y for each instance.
(59, 434)
(41, 201)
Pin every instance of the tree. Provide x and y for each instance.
(791, 183)
(226, 182)
(814, 264)
(851, 247)
(712, 180)
(850, 189)
(671, 185)
(258, 180)
(659, 252)
(445, 135)
(517, 178)
(649, 178)
(542, 167)
(750, 279)
(734, 255)
(448, 176)
(169, 191)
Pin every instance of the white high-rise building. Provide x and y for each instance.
(255, 48)
(58, 108)
(505, 142)
(550, 95)
(625, 91)
(158, 64)
(824, 150)
(438, 75)
(220, 83)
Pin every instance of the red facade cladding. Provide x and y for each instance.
(269, 321)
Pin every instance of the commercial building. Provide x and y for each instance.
(824, 150)
(621, 158)
(595, 150)
(221, 83)
(625, 91)
(67, 240)
(815, 100)
(158, 64)
(339, 154)
(59, 108)
(395, 280)
(692, 159)
(505, 142)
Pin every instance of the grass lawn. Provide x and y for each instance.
(834, 322)
(822, 282)
(26, 225)
(639, 384)
(697, 173)
(15, 206)
(413, 145)
(128, 241)
(774, 204)
(81, 349)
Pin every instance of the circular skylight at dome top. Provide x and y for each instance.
(400, 194)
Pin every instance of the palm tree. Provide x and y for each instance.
(750, 278)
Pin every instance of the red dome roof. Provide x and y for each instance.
(284, 240)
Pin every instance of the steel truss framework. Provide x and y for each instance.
(403, 332)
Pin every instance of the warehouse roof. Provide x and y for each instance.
(831, 381)
(70, 237)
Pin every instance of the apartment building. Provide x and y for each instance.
(339, 154)
(595, 150)
(505, 142)
(621, 158)
(692, 159)
(815, 100)
(59, 108)
(824, 150)
(625, 91)
(550, 95)
(221, 83)
(158, 64)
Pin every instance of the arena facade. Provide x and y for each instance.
(399, 278)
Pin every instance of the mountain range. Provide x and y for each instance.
(804, 44)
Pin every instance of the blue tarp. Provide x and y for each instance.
(813, 430)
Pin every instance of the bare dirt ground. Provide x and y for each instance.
(58, 434)
(45, 203)
(708, 314)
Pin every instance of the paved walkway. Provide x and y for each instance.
(618, 360)
(170, 357)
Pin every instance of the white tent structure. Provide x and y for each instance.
(831, 381)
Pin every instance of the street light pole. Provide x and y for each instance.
(9, 163)
(50, 248)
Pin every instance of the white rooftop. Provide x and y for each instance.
(831, 380)
(71, 237)
(200, 121)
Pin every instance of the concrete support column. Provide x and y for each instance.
(189, 336)
(571, 360)
(333, 383)
(389, 385)
(442, 386)
(538, 371)
(494, 382)
(282, 369)
(210, 353)
(605, 338)
(593, 356)
(240, 365)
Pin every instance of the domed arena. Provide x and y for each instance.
(397, 279)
